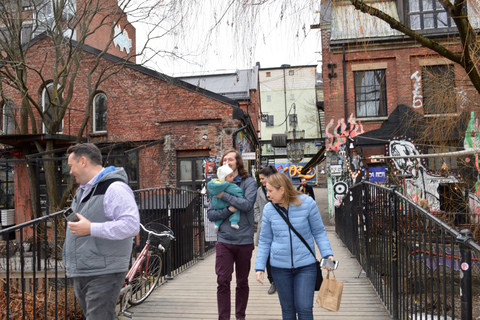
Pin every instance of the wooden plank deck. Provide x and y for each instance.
(192, 294)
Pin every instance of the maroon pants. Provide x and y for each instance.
(226, 256)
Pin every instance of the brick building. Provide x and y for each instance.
(159, 128)
(381, 86)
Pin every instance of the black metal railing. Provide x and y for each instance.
(33, 283)
(421, 267)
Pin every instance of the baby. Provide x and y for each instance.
(224, 183)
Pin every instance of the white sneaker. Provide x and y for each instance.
(235, 226)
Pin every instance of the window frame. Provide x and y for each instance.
(197, 174)
(382, 96)
(45, 98)
(94, 122)
(8, 127)
(270, 121)
(425, 95)
(434, 12)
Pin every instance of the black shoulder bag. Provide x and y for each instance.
(319, 280)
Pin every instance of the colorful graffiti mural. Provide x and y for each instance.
(243, 142)
(293, 171)
(341, 132)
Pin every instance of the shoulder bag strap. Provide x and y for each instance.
(293, 229)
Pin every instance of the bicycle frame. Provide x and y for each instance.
(138, 262)
(126, 291)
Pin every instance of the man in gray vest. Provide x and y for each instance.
(98, 246)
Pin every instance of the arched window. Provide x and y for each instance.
(48, 108)
(7, 114)
(100, 113)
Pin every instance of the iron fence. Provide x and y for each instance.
(421, 267)
(33, 284)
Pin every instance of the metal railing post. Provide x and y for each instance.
(366, 229)
(168, 276)
(465, 274)
(393, 224)
(201, 229)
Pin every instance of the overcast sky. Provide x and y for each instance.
(268, 39)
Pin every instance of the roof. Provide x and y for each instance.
(402, 122)
(234, 85)
(351, 24)
(287, 66)
(152, 73)
(405, 122)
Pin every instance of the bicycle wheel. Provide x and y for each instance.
(146, 279)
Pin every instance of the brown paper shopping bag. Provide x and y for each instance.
(330, 294)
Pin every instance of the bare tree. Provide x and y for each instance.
(69, 25)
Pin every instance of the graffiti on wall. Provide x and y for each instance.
(341, 132)
(417, 90)
(243, 142)
(422, 184)
(472, 141)
(292, 170)
(340, 190)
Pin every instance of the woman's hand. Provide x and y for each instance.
(331, 259)
(259, 275)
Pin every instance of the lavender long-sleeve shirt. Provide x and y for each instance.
(120, 206)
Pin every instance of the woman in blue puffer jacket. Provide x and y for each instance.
(293, 265)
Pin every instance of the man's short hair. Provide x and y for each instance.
(87, 150)
(301, 179)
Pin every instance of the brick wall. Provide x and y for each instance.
(402, 60)
(141, 107)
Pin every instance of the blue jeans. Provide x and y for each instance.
(296, 288)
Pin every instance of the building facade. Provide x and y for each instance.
(161, 129)
(291, 127)
(387, 95)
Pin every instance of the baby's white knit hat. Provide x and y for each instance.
(223, 172)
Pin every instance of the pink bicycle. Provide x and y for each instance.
(143, 276)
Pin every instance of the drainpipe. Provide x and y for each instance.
(345, 104)
(285, 95)
(344, 66)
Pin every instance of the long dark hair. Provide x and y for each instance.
(240, 166)
(268, 170)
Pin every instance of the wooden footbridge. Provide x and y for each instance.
(192, 294)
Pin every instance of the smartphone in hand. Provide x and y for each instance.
(70, 215)
(329, 263)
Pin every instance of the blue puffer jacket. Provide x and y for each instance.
(285, 248)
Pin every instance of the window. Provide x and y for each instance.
(190, 173)
(438, 84)
(293, 119)
(370, 93)
(50, 111)
(269, 98)
(270, 121)
(268, 74)
(291, 72)
(427, 14)
(7, 114)
(7, 194)
(100, 113)
(435, 164)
